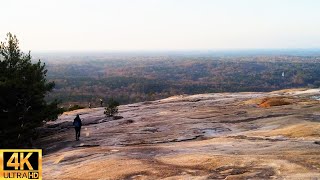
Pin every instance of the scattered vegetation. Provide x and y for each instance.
(274, 101)
(75, 107)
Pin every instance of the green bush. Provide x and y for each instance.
(112, 107)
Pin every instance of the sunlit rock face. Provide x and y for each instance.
(272, 135)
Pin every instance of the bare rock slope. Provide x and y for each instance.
(208, 136)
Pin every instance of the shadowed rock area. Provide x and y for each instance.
(272, 135)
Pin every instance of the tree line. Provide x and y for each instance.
(136, 81)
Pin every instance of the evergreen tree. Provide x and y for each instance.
(23, 87)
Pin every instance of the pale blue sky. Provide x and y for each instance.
(87, 25)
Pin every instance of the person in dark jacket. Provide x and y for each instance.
(77, 126)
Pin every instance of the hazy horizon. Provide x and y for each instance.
(47, 55)
(162, 25)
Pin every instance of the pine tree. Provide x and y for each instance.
(23, 87)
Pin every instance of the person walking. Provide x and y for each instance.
(77, 126)
(101, 102)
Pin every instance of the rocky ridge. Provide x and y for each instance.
(272, 135)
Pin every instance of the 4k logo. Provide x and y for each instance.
(21, 164)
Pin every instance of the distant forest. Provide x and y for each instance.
(130, 79)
